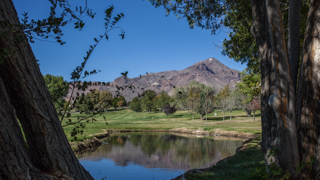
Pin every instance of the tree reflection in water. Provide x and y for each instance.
(160, 150)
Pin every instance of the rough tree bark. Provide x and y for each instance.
(260, 31)
(308, 104)
(15, 161)
(283, 100)
(49, 149)
(294, 39)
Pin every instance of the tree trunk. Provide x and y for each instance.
(260, 31)
(49, 149)
(201, 116)
(206, 118)
(254, 115)
(283, 100)
(15, 161)
(230, 115)
(247, 111)
(308, 106)
(294, 39)
(193, 118)
(223, 116)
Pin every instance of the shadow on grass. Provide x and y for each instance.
(180, 115)
(111, 110)
(256, 115)
(217, 118)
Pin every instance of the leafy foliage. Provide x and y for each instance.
(163, 99)
(250, 85)
(147, 99)
(222, 99)
(88, 104)
(206, 104)
(241, 45)
(57, 88)
(207, 14)
(169, 110)
(119, 101)
(135, 105)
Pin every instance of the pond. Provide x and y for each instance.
(155, 156)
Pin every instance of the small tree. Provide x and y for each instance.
(240, 101)
(181, 97)
(193, 101)
(105, 99)
(135, 105)
(169, 110)
(173, 110)
(231, 102)
(116, 103)
(120, 103)
(147, 99)
(254, 105)
(162, 100)
(208, 105)
(222, 99)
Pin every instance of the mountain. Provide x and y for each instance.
(210, 72)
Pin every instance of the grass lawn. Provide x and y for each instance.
(127, 119)
(238, 167)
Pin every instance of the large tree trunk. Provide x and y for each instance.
(15, 161)
(308, 104)
(294, 39)
(283, 100)
(49, 149)
(260, 31)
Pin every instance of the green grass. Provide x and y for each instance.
(127, 119)
(238, 167)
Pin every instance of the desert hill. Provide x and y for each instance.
(210, 72)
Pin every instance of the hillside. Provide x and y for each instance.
(210, 72)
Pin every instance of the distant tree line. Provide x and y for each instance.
(94, 100)
(149, 100)
(196, 98)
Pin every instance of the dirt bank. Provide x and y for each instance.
(88, 144)
(216, 132)
(94, 141)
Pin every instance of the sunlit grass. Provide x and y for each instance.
(127, 119)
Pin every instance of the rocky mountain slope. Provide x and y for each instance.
(210, 72)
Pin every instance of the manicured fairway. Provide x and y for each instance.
(127, 119)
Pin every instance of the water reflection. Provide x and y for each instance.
(170, 151)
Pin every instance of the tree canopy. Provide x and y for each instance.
(57, 88)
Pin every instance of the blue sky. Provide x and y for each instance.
(153, 42)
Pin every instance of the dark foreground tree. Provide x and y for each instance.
(46, 154)
(291, 122)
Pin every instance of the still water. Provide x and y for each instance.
(155, 156)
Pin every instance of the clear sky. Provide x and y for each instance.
(153, 42)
